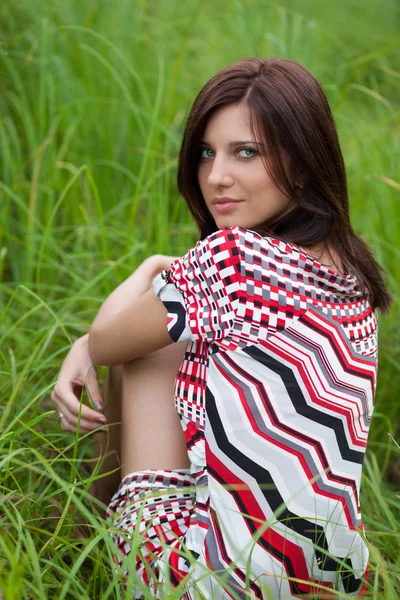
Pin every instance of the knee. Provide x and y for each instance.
(169, 356)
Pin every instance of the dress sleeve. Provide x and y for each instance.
(201, 290)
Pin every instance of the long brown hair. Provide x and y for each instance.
(290, 113)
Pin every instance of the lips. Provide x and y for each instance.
(223, 205)
(224, 200)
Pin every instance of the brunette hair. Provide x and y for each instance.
(290, 114)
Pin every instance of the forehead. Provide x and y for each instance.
(229, 122)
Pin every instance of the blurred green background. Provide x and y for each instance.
(93, 102)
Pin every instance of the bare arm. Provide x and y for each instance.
(136, 284)
(126, 327)
(78, 371)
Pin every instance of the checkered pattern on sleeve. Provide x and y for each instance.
(201, 290)
(279, 283)
(237, 288)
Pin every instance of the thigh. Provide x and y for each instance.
(152, 437)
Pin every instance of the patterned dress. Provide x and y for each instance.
(275, 395)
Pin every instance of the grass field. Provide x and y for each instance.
(93, 102)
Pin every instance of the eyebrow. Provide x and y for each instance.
(236, 143)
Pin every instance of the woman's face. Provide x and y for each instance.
(230, 166)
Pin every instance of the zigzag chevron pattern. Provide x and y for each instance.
(275, 396)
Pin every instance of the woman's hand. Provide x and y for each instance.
(134, 286)
(77, 372)
(165, 261)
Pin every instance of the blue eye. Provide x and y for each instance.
(204, 150)
(248, 150)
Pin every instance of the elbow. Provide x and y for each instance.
(95, 346)
(98, 348)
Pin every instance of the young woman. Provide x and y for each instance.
(275, 381)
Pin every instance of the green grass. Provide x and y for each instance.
(93, 104)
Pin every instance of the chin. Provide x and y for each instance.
(232, 222)
(227, 222)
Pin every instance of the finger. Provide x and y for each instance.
(72, 420)
(87, 423)
(70, 423)
(93, 388)
(66, 426)
(62, 395)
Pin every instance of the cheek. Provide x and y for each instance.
(260, 183)
(265, 193)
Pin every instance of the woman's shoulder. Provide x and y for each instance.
(289, 263)
(316, 258)
(248, 239)
(245, 236)
(253, 248)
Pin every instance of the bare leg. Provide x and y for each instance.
(144, 430)
(152, 437)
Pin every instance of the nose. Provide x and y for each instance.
(220, 174)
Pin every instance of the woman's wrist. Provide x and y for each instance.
(161, 262)
(155, 264)
(134, 286)
(151, 265)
